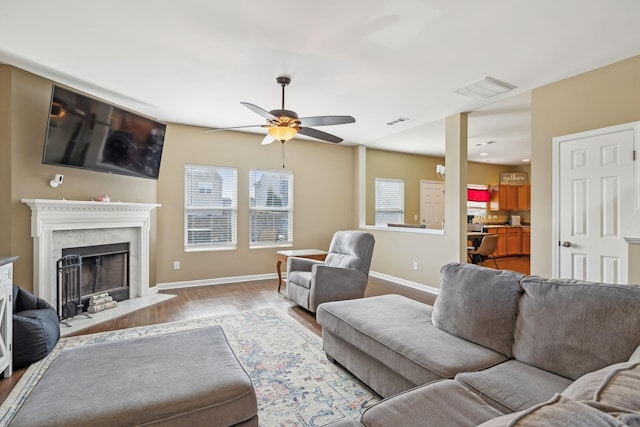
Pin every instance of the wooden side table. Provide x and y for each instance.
(300, 253)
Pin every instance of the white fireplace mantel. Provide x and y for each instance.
(50, 216)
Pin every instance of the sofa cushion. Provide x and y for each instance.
(397, 331)
(556, 412)
(513, 386)
(571, 327)
(615, 385)
(351, 249)
(441, 403)
(478, 304)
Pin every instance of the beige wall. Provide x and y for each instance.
(28, 100)
(324, 198)
(5, 160)
(488, 174)
(323, 187)
(599, 98)
(396, 250)
(323, 176)
(412, 168)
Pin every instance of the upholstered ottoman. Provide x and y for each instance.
(185, 378)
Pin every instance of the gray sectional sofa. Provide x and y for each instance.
(497, 347)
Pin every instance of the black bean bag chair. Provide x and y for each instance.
(36, 329)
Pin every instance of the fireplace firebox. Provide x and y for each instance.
(105, 268)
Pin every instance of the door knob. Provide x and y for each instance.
(566, 244)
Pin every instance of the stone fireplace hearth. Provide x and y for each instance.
(59, 224)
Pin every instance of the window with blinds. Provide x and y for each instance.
(210, 207)
(477, 198)
(389, 201)
(271, 208)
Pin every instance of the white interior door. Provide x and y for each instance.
(432, 204)
(594, 203)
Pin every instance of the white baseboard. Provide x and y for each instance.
(404, 282)
(236, 279)
(218, 281)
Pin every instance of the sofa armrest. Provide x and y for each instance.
(301, 264)
(335, 284)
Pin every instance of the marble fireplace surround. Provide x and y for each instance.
(56, 224)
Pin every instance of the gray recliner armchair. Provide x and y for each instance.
(342, 275)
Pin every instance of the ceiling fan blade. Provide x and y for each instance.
(318, 134)
(264, 113)
(268, 139)
(326, 120)
(231, 128)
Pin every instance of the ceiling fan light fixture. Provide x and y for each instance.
(282, 133)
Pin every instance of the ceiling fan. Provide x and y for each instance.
(282, 125)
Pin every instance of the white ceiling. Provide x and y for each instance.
(194, 61)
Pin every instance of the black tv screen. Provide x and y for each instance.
(86, 133)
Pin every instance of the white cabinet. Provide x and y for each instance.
(6, 315)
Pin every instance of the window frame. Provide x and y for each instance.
(387, 211)
(227, 204)
(255, 239)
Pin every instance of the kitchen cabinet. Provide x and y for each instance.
(526, 241)
(509, 197)
(510, 240)
(503, 197)
(513, 241)
(524, 197)
(501, 250)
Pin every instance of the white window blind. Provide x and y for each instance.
(210, 207)
(271, 208)
(389, 201)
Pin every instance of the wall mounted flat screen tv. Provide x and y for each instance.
(89, 134)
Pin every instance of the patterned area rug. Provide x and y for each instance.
(295, 383)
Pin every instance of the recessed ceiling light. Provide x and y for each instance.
(484, 154)
(480, 144)
(485, 88)
(526, 160)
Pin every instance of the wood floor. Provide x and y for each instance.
(203, 301)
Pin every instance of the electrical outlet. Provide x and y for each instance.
(415, 217)
(415, 265)
(176, 265)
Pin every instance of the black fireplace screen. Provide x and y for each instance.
(95, 270)
(69, 269)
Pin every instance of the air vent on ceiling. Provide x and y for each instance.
(485, 88)
(396, 121)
